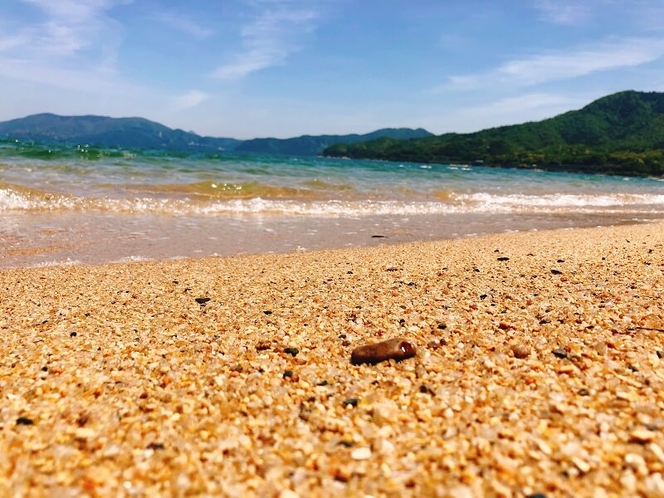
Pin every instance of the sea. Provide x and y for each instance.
(77, 204)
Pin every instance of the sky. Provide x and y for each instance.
(285, 68)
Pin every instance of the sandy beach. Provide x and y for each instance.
(539, 371)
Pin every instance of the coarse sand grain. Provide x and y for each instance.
(539, 372)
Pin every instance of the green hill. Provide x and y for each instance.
(144, 134)
(314, 145)
(618, 134)
(109, 132)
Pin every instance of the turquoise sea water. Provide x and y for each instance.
(76, 203)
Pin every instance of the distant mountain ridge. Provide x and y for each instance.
(145, 134)
(314, 145)
(621, 133)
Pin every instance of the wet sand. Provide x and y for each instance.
(539, 369)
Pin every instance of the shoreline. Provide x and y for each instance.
(97, 238)
(538, 370)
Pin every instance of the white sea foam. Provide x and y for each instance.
(480, 202)
(563, 200)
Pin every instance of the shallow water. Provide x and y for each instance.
(75, 204)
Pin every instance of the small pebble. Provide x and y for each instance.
(24, 421)
(363, 453)
(556, 272)
(202, 300)
(392, 349)
(559, 353)
(291, 351)
(520, 351)
(641, 436)
(351, 401)
(263, 345)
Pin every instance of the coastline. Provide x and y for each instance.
(538, 370)
(80, 238)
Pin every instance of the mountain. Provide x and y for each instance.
(110, 132)
(315, 145)
(622, 134)
(145, 134)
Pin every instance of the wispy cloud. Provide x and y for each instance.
(186, 25)
(69, 26)
(271, 36)
(564, 11)
(511, 110)
(78, 80)
(190, 99)
(556, 66)
(72, 45)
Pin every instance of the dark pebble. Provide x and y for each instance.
(397, 349)
(288, 374)
(537, 495)
(24, 421)
(483, 297)
(291, 351)
(351, 401)
(559, 353)
(556, 272)
(583, 392)
(503, 258)
(660, 354)
(561, 261)
(73, 334)
(155, 446)
(44, 369)
(322, 383)
(347, 444)
(379, 236)
(267, 312)
(202, 300)
(263, 345)
(441, 326)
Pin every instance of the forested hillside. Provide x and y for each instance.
(618, 134)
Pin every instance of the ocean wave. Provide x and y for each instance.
(562, 200)
(31, 200)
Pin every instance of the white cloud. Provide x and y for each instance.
(564, 12)
(556, 66)
(70, 26)
(67, 79)
(535, 105)
(270, 37)
(190, 99)
(186, 25)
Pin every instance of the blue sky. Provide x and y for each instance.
(283, 68)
